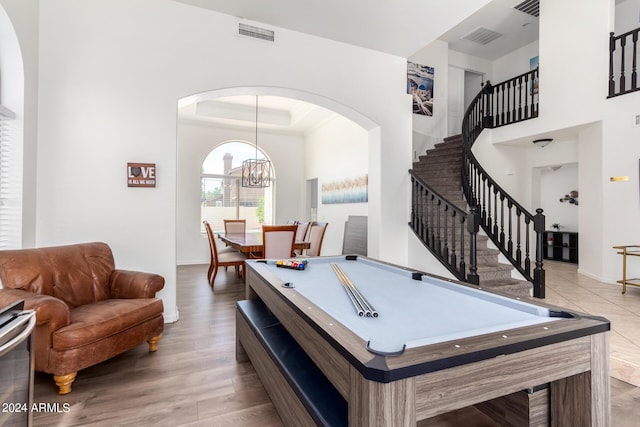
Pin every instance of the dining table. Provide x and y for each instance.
(250, 242)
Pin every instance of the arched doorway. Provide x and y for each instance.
(211, 118)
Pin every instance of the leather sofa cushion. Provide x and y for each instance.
(94, 322)
(77, 274)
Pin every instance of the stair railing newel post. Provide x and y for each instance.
(538, 272)
(473, 226)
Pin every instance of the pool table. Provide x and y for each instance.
(437, 344)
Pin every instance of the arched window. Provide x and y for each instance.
(223, 197)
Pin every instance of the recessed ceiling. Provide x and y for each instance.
(276, 113)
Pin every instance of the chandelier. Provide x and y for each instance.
(256, 173)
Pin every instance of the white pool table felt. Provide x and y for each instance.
(411, 312)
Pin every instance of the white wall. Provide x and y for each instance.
(591, 214)
(195, 142)
(627, 16)
(471, 63)
(620, 157)
(571, 85)
(429, 130)
(344, 146)
(422, 260)
(111, 73)
(514, 63)
(554, 185)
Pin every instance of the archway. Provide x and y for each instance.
(288, 163)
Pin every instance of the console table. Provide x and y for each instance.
(628, 250)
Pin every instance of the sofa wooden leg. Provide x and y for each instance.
(153, 343)
(64, 382)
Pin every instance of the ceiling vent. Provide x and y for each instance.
(256, 32)
(482, 36)
(530, 7)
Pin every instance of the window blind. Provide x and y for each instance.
(10, 182)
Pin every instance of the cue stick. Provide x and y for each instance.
(368, 308)
(354, 301)
(349, 286)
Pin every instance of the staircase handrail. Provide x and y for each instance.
(429, 231)
(477, 182)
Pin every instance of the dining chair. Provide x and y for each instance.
(301, 234)
(222, 259)
(278, 241)
(315, 237)
(235, 226)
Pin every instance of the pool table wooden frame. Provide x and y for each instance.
(434, 379)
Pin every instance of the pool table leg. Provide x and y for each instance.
(585, 399)
(372, 403)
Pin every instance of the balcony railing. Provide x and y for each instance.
(623, 57)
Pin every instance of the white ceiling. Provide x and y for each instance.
(398, 27)
(518, 29)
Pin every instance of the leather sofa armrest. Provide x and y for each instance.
(135, 284)
(48, 309)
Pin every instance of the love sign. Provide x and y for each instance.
(141, 174)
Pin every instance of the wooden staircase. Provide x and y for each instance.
(440, 168)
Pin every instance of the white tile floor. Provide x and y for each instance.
(565, 287)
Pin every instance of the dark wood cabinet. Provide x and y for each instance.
(561, 246)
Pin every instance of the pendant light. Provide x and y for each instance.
(256, 173)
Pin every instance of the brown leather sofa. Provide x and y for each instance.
(86, 310)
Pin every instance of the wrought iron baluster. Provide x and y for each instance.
(483, 200)
(502, 106)
(495, 213)
(527, 258)
(510, 240)
(445, 250)
(438, 243)
(634, 74)
(623, 43)
(612, 49)
(453, 260)
(518, 234)
(463, 265)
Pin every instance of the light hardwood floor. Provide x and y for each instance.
(194, 380)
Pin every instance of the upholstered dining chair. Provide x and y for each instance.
(315, 237)
(301, 234)
(278, 241)
(222, 259)
(235, 226)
